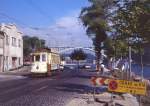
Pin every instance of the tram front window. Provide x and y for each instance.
(43, 57)
(37, 58)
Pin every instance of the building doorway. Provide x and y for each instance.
(14, 62)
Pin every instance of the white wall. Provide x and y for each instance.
(1, 51)
(12, 50)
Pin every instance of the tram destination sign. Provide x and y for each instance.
(125, 86)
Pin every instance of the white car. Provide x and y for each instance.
(87, 66)
(61, 67)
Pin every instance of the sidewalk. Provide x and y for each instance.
(104, 99)
(23, 71)
(10, 77)
(83, 102)
(15, 74)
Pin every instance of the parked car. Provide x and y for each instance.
(61, 67)
(27, 63)
(86, 66)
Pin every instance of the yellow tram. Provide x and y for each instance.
(44, 61)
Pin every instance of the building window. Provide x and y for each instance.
(1, 42)
(19, 43)
(19, 61)
(7, 40)
(15, 44)
(14, 41)
(6, 61)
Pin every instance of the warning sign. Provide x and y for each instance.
(113, 85)
(124, 86)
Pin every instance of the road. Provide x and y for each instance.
(57, 90)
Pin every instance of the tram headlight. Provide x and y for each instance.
(37, 67)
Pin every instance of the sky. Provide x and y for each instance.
(56, 21)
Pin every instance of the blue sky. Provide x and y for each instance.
(39, 13)
(56, 21)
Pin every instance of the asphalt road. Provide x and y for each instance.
(57, 90)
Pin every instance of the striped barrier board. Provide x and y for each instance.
(99, 81)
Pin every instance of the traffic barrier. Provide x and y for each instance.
(99, 81)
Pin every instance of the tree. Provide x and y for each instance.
(36, 43)
(26, 46)
(78, 55)
(32, 43)
(115, 48)
(94, 20)
(132, 21)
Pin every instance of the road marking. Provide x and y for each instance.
(38, 81)
(44, 87)
(27, 84)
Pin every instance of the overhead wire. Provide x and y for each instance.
(18, 22)
(13, 19)
(37, 8)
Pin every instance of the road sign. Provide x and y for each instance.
(113, 85)
(99, 81)
(124, 86)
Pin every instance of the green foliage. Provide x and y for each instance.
(132, 21)
(128, 20)
(32, 43)
(78, 54)
(94, 18)
(115, 48)
(130, 26)
(121, 48)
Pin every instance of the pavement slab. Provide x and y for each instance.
(83, 102)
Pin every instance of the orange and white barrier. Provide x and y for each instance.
(99, 81)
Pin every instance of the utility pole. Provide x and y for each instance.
(130, 63)
(141, 61)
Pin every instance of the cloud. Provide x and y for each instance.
(67, 31)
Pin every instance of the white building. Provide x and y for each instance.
(1, 51)
(13, 47)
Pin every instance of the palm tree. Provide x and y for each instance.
(94, 20)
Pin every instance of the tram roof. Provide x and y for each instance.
(41, 50)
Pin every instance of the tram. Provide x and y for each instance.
(44, 61)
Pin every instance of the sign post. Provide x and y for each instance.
(98, 81)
